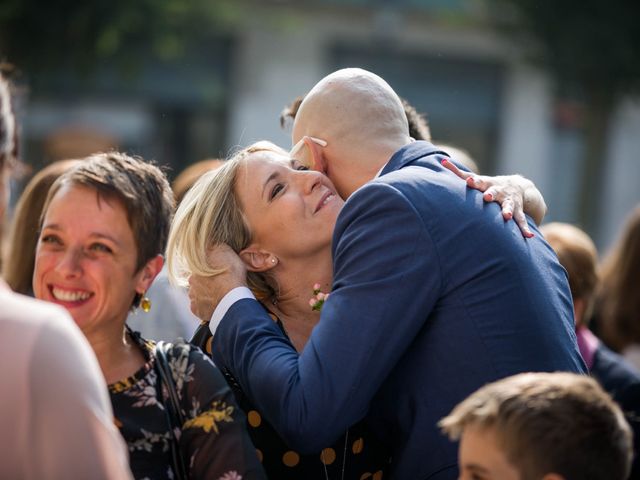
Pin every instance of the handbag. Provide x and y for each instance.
(175, 419)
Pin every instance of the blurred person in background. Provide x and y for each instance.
(617, 311)
(578, 255)
(55, 418)
(20, 247)
(171, 318)
(541, 426)
(104, 226)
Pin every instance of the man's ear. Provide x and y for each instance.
(317, 155)
(258, 260)
(148, 273)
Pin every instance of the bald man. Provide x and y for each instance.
(434, 294)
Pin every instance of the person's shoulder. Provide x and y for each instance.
(34, 314)
(615, 364)
(616, 375)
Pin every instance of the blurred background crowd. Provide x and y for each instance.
(545, 89)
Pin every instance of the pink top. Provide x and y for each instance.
(587, 344)
(55, 416)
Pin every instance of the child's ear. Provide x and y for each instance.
(258, 260)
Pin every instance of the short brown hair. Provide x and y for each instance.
(550, 423)
(577, 254)
(141, 187)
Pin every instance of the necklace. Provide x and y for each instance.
(344, 458)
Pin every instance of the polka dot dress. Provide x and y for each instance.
(356, 455)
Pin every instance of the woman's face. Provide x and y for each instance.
(291, 212)
(86, 258)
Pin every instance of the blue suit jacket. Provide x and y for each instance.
(434, 295)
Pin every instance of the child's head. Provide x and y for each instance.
(536, 426)
(578, 255)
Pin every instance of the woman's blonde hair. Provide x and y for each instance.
(210, 214)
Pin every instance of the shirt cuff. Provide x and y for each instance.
(238, 293)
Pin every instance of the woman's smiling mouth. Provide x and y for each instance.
(69, 296)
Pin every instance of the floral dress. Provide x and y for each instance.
(213, 440)
(356, 455)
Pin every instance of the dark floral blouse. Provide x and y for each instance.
(356, 455)
(213, 440)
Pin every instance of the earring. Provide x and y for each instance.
(145, 304)
(274, 261)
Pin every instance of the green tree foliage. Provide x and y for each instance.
(45, 35)
(588, 43)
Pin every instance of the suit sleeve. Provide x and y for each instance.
(386, 280)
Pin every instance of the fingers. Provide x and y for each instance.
(493, 193)
(479, 183)
(451, 167)
(521, 221)
(507, 209)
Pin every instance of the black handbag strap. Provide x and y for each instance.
(175, 419)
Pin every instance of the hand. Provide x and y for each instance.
(515, 194)
(205, 292)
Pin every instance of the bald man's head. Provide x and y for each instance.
(362, 120)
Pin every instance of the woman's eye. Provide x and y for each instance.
(277, 188)
(51, 239)
(300, 167)
(100, 247)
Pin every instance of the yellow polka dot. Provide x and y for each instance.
(377, 475)
(254, 418)
(328, 456)
(259, 454)
(357, 446)
(207, 346)
(365, 476)
(291, 458)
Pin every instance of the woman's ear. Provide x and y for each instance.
(148, 273)
(258, 260)
(317, 155)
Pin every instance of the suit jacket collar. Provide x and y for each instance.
(410, 153)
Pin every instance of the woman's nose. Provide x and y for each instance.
(70, 263)
(311, 180)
